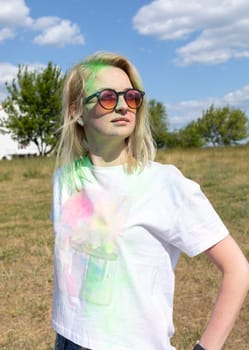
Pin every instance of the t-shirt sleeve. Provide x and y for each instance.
(197, 225)
(56, 197)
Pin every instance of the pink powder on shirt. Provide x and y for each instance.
(77, 207)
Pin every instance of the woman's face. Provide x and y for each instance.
(100, 123)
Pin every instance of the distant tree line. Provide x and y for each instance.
(216, 127)
(33, 107)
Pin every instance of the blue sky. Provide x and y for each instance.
(189, 56)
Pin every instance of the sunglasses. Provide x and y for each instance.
(108, 98)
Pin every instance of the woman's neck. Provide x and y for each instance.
(108, 156)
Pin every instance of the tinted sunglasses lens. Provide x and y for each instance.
(133, 98)
(108, 99)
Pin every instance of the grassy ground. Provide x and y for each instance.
(26, 253)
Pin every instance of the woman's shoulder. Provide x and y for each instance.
(165, 169)
(61, 181)
(173, 179)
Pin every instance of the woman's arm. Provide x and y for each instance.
(227, 256)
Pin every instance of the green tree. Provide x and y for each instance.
(190, 136)
(223, 126)
(34, 107)
(173, 140)
(186, 137)
(158, 122)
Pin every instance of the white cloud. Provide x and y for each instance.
(7, 72)
(6, 33)
(58, 32)
(184, 112)
(55, 31)
(44, 22)
(214, 31)
(238, 98)
(14, 13)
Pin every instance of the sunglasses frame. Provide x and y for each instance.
(98, 93)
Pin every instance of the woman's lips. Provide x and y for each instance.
(120, 119)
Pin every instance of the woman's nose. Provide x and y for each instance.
(121, 105)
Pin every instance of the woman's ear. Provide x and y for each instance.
(73, 112)
(72, 109)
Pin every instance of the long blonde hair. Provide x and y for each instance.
(73, 143)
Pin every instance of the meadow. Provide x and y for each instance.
(26, 251)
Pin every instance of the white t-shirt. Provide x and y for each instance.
(117, 242)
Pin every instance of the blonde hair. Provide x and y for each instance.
(73, 143)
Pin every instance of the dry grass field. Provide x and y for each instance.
(26, 253)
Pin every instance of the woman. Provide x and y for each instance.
(121, 221)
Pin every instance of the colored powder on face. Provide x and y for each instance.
(94, 68)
